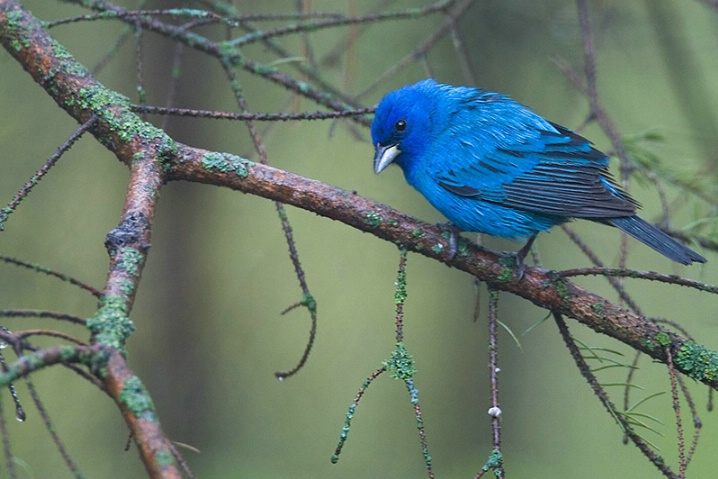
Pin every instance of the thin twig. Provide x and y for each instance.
(307, 298)
(52, 429)
(40, 174)
(420, 50)
(682, 464)
(50, 272)
(36, 313)
(244, 116)
(7, 451)
(350, 414)
(495, 462)
(586, 372)
(635, 274)
(617, 285)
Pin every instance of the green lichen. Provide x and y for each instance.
(392, 222)
(188, 12)
(114, 110)
(5, 211)
(137, 399)
(127, 287)
(309, 302)
(648, 344)
(303, 87)
(98, 362)
(663, 339)
(111, 325)
(597, 308)
(462, 247)
(164, 458)
(438, 248)
(38, 360)
(17, 30)
(99, 99)
(561, 289)
(400, 283)
(130, 260)
(226, 163)
(506, 274)
(401, 364)
(373, 219)
(108, 105)
(345, 429)
(697, 361)
(400, 292)
(417, 233)
(69, 65)
(230, 54)
(495, 462)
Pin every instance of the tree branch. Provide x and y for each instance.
(126, 135)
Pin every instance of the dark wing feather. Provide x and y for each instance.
(552, 172)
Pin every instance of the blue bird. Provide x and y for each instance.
(491, 165)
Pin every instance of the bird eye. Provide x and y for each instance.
(400, 125)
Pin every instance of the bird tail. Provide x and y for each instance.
(655, 238)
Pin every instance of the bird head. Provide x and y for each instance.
(403, 124)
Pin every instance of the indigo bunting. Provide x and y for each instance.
(491, 165)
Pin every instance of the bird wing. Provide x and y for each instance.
(549, 172)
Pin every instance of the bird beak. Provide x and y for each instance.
(384, 156)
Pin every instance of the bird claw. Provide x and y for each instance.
(515, 261)
(520, 255)
(453, 238)
(520, 267)
(452, 245)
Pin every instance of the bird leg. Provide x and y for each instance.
(453, 237)
(521, 255)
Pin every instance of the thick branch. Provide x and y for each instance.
(542, 287)
(137, 408)
(143, 148)
(125, 134)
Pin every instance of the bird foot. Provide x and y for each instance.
(453, 238)
(520, 255)
(514, 260)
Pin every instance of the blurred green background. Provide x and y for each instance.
(209, 331)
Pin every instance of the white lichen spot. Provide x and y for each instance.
(494, 411)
